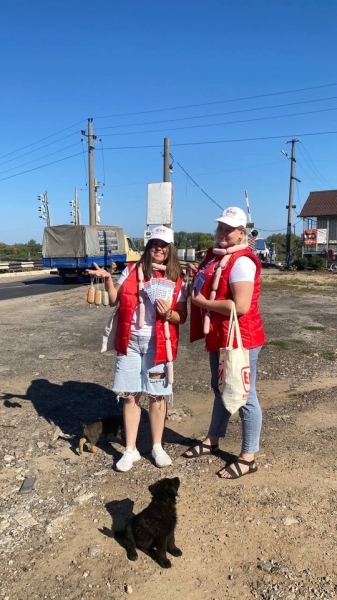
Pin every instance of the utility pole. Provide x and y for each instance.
(91, 139)
(166, 159)
(167, 169)
(291, 195)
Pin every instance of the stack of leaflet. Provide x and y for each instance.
(159, 288)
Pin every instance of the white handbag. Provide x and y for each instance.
(234, 368)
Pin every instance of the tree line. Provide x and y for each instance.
(182, 239)
(32, 250)
(201, 241)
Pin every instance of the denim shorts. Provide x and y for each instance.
(132, 370)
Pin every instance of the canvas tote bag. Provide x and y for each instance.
(109, 333)
(234, 368)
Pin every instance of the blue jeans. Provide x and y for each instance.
(132, 371)
(250, 414)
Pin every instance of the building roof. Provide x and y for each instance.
(320, 204)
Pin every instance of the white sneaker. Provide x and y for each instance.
(129, 457)
(161, 457)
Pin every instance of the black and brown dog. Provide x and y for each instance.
(152, 530)
(105, 426)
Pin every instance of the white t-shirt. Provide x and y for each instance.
(150, 309)
(244, 269)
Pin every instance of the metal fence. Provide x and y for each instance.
(19, 265)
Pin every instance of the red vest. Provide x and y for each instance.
(251, 326)
(128, 301)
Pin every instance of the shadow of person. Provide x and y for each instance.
(121, 511)
(64, 405)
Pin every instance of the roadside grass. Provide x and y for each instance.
(284, 344)
(306, 285)
(281, 344)
(329, 355)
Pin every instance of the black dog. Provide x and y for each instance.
(92, 431)
(152, 530)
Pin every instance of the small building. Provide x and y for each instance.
(319, 215)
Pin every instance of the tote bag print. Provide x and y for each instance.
(234, 368)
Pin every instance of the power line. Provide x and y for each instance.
(143, 112)
(309, 176)
(314, 168)
(42, 139)
(40, 148)
(85, 164)
(230, 141)
(103, 162)
(231, 112)
(309, 112)
(200, 188)
(40, 158)
(40, 167)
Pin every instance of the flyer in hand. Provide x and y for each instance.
(159, 288)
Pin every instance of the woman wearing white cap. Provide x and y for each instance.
(146, 340)
(229, 272)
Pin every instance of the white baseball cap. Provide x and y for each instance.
(162, 233)
(233, 216)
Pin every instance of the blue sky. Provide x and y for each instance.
(64, 62)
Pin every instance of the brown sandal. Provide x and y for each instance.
(210, 449)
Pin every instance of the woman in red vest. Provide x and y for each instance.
(211, 303)
(147, 339)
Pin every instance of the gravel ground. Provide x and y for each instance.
(268, 536)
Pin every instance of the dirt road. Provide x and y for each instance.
(270, 535)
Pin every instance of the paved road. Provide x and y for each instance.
(20, 287)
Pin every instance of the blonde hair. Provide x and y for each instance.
(244, 239)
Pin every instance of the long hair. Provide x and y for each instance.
(173, 268)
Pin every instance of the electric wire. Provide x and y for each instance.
(143, 112)
(195, 183)
(231, 112)
(41, 140)
(313, 166)
(103, 162)
(318, 185)
(40, 167)
(230, 141)
(37, 149)
(85, 164)
(35, 159)
(309, 112)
